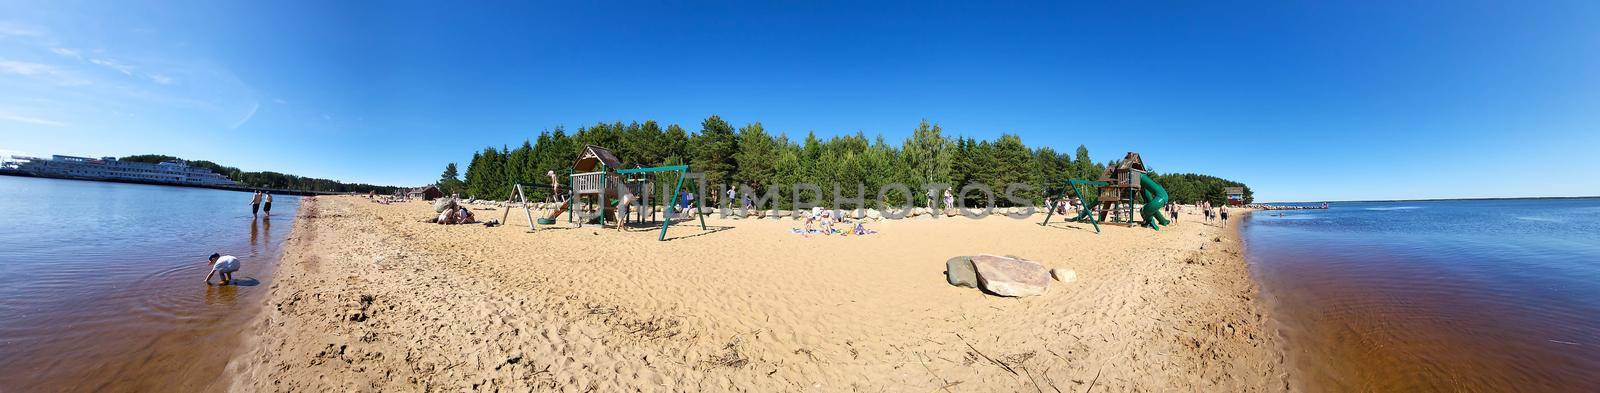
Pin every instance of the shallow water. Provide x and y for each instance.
(101, 283)
(1436, 296)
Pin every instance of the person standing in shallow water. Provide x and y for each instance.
(255, 203)
(267, 208)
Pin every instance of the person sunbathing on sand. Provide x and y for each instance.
(223, 264)
(861, 228)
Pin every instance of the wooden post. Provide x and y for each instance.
(525, 210)
(701, 211)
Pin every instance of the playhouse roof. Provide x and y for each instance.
(592, 156)
(1131, 161)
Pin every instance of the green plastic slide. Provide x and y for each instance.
(1155, 198)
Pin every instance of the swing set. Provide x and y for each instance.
(1087, 192)
(642, 181)
(594, 182)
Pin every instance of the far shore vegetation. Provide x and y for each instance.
(272, 180)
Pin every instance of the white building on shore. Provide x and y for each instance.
(109, 168)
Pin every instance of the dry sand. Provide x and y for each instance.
(367, 298)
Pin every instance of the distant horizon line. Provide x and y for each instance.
(1439, 199)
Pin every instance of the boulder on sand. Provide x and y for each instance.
(959, 272)
(443, 203)
(1011, 276)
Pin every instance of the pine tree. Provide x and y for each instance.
(449, 181)
(928, 157)
(715, 148)
(757, 157)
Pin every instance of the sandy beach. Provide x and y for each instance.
(368, 298)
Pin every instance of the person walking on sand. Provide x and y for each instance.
(949, 200)
(732, 196)
(623, 206)
(266, 208)
(1224, 211)
(223, 265)
(255, 203)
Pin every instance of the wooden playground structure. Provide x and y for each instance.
(597, 184)
(1115, 194)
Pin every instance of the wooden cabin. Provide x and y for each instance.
(1235, 195)
(426, 193)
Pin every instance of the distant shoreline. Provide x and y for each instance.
(152, 183)
(1440, 199)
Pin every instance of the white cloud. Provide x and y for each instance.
(68, 52)
(41, 71)
(25, 68)
(31, 120)
(160, 79)
(119, 67)
(247, 116)
(12, 30)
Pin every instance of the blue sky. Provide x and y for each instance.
(1302, 100)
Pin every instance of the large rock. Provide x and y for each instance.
(1011, 277)
(959, 272)
(443, 203)
(874, 214)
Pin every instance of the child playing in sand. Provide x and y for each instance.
(223, 264)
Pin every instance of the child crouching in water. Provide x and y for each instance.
(224, 264)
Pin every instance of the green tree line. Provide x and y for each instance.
(268, 179)
(755, 157)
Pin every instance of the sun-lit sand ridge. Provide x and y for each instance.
(367, 298)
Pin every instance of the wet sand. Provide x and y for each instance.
(367, 298)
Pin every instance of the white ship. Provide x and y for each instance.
(109, 168)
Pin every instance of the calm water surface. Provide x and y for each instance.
(101, 283)
(1436, 296)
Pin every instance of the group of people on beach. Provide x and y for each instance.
(1219, 212)
(821, 221)
(452, 212)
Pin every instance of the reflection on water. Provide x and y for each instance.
(101, 283)
(1436, 296)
